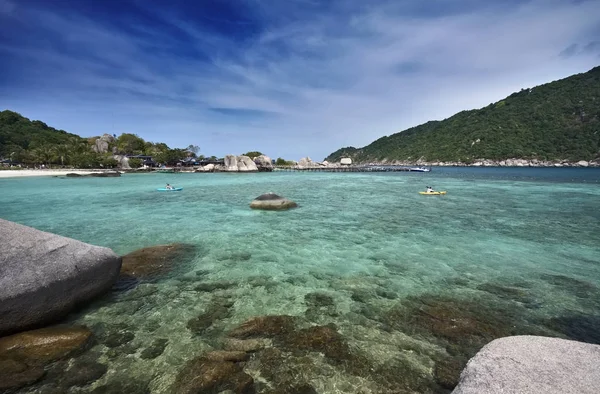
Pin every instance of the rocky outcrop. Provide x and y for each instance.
(206, 168)
(264, 163)
(237, 164)
(123, 162)
(306, 162)
(271, 201)
(246, 164)
(230, 163)
(102, 144)
(530, 364)
(44, 276)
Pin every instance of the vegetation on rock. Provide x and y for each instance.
(556, 121)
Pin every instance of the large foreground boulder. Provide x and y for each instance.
(43, 276)
(530, 364)
(271, 201)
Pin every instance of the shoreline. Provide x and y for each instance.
(24, 173)
(47, 172)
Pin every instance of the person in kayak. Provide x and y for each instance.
(430, 189)
(169, 187)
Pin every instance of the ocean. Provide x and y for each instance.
(389, 291)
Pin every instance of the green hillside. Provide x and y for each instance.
(556, 121)
(33, 143)
(19, 134)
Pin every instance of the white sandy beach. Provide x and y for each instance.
(48, 172)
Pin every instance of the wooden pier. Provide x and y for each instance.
(347, 169)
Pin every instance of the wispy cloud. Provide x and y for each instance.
(319, 75)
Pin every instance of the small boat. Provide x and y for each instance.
(432, 193)
(175, 189)
(419, 169)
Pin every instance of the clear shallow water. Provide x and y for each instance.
(410, 281)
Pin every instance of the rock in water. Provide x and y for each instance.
(154, 261)
(40, 347)
(230, 163)
(272, 201)
(246, 164)
(43, 276)
(264, 163)
(530, 364)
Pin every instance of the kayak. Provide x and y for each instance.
(175, 189)
(432, 193)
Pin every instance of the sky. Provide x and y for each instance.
(290, 78)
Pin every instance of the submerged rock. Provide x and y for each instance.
(83, 373)
(217, 310)
(24, 355)
(157, 348)
(39, 347)
(246, 345)
(324, 339)
(110, 174)
(264, 326)
(580, 327)
(227, 355)
(530, 364)
(16, 374)
(271, 201)
(44, 276)
(154, 261)
(207, 376)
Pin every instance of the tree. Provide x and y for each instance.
(109, 162)
(194, 149)
(135, 163)
(170, 157)
(44, 154)
(253, 154)
(130, 144)
(282, 162)
(62, 153)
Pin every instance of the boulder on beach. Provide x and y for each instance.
(271, 201)
(531, 364)
(44, 276)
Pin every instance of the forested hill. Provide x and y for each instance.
(18, 133)
(556, 121)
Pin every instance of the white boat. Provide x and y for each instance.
(420, 169)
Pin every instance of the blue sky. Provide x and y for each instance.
(291, 78)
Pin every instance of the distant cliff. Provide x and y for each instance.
(552, 122)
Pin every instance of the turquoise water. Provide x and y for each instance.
(409, 281)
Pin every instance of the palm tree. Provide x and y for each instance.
(63, 153)
(44, 154)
